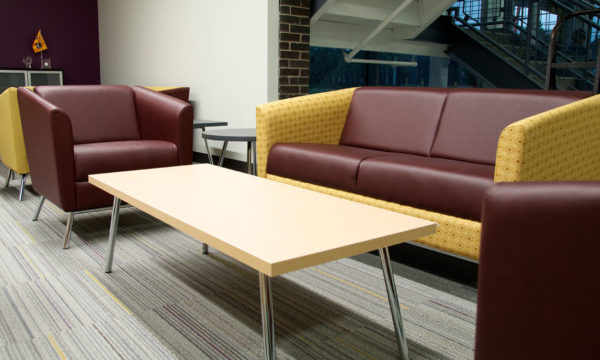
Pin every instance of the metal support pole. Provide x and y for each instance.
(10, 174)
(249, 157)
(22, 189)
(223, 153)
(39, 209)
(255, 159)
(68, 230)
(112, 234)
(266, 307)
(388, 276)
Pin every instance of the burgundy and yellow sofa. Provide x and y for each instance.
(426, 152)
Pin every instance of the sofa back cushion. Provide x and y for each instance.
(394, 119)
(473, 119)
(98, 113)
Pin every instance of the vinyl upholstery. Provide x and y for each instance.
(445, 182)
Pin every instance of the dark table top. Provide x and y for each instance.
(207, 123)
(230, 134)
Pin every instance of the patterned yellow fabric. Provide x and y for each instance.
(317, 118)
(12, 144)
(455, 235)
(559, 144)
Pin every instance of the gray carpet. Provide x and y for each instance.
(166, 300)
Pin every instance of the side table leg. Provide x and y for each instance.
(223, 152)
(388, 276)
(249, 157)
(255, 168)
(112, 234)
(210, 159)
(266, 307)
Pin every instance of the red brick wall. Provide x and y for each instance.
(294, 43)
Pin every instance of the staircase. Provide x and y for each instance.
(493, 39)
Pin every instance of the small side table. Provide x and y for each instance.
(227, 135)
(203, 124)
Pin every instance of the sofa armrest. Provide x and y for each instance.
(559, 144)
(538, 272)
(316, 118)
(49, 145)
(163, 117)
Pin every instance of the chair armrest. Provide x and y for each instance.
(49, 145)
(538, 272)
(316, 118)
(162, 117)
(12, 146)
(559, 144)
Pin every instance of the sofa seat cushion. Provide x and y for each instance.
(328, 165)
(442, 185)
(113, 156)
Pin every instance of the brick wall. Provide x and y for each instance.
(294, 43)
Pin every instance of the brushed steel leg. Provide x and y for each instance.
(223, 152)
(386, 264)
(39, 208)
(210, 159)
(68, 230)
(255, 168)
(23, 177)
(249, 157)
(112, 234)
(8, 177)
(266, 307)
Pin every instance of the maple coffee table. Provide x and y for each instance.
(272, 227)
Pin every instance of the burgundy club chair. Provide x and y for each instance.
(538, 272)
(77, 130)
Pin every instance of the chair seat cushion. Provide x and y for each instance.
(333, 166)
(442, 185)
(114, 156)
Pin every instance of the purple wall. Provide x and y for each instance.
(69, 27)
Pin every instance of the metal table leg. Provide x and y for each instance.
(210, 159)
(249, 157)
(388, 276)
(255, 169)
(112, 234)
(223, 153)
(266, 307)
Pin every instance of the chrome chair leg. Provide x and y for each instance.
(10, 174)
(68, 230)
(39, 208)
(23, 177)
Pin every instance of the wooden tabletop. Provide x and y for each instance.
(270, 226)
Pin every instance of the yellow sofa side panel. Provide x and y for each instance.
(559, 144)
(315, 118)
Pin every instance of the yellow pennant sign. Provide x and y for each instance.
(39, 44)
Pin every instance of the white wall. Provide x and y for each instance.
(226, 51)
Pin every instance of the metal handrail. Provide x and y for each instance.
(551, 64)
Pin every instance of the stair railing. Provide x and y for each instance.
(552, 64)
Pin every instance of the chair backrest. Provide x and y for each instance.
(12, 144)
(98, 113)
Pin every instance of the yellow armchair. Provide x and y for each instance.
(12, 146)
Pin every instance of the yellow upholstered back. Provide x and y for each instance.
(559, 144)
(12, 145)
(316, 118)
